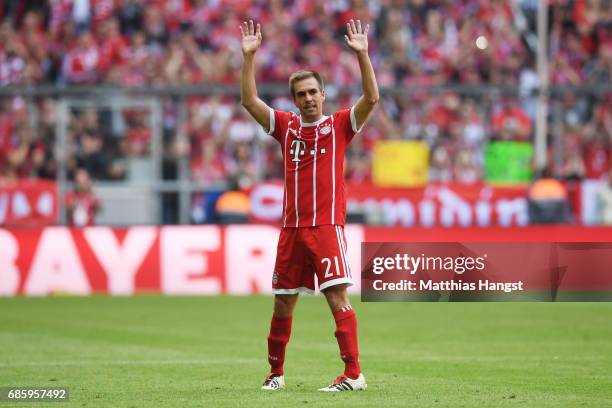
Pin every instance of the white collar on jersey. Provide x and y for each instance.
(306, 124)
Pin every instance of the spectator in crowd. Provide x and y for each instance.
(547, 201)
(232, 207)
(467, 168)
(605, 196)
(209, 168)
(81, 64)
(242, 169)
(597, 155)
(113, 48)
(138, 133)
(93, 149)
(141, 43)
(358, 165)
(425, 41)
(440, 168)
(21, 151)
(81, 204)
(510, 122)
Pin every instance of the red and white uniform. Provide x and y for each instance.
(314, 161)
(83, 207)
(314, 208)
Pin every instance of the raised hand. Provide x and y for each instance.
(250, 38)
(356, 38)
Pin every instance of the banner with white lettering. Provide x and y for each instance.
(199, 260)
(28, 203)
(445, 205)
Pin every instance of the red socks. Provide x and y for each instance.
(280, 331)
(346, 334)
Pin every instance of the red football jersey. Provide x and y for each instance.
(313, 156)
(82, 208)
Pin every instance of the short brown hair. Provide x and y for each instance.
(303, 74)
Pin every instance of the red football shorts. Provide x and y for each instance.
(304, 252)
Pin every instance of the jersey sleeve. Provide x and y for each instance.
(346, 123)
(279, 121)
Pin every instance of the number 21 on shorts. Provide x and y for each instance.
(328, 272)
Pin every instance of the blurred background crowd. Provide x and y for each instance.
(413, 43)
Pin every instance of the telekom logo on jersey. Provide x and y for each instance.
(298, 148)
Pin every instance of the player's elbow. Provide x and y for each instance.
(246, 97)
(246, 103)
(249, 107)
(373, 100)
(371, 97)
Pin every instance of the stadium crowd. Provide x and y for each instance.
(140, 43)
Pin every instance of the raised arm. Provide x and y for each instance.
(357, 40)
(250, 40)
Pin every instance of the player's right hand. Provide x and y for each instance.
(250, 38)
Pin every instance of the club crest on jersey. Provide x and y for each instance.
(325, 130)
(298, 148)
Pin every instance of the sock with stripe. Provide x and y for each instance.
(346, 334)
(280, 331)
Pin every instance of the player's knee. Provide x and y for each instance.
(337, 297)
(284, 305)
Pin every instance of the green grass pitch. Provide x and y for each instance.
(153, 351)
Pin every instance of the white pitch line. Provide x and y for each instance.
(126, 362)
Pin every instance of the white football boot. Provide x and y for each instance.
(274, 382)
(343, 383)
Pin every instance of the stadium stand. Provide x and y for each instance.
(416, 43)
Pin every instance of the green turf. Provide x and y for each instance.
(211, 352)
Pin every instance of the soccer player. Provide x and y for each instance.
(312, 240)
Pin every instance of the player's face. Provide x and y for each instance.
(308, 98)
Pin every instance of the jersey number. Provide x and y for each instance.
(328, 273)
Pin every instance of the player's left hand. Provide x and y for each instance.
(357, 38)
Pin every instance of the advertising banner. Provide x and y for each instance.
(445, 205)
(28, 203)
(213, 260)
(400, 163)
(508, 162)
